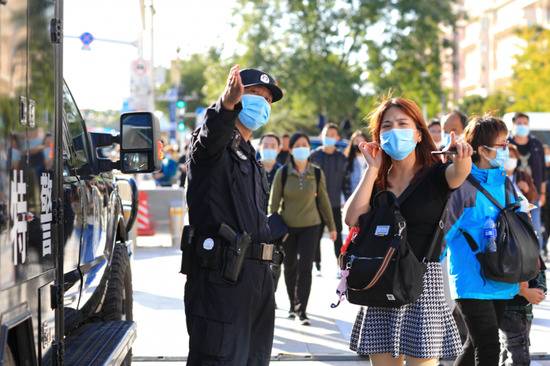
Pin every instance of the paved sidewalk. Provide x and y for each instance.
(159, 313)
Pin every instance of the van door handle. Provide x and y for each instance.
(32, 113)
(23, 115)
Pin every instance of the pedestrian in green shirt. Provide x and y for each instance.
(299, 195)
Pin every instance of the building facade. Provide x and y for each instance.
(486, 43)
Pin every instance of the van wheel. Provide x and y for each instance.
(9, 360)
(118, 303)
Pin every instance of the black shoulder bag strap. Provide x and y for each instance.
(317, 177)
(480, 188)
(469, 238)
(437, 236)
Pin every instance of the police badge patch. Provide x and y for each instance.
(240, 154)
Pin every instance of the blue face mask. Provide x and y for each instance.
(268, 154)
(300, 153)
(521, 130)
(255, 113)
(500, 159)
(398, 142)
(329, 141)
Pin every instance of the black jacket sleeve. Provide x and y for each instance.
(210, 140)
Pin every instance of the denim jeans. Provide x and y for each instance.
(514, 338)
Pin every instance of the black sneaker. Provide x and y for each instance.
(304, 320)
(291, 315)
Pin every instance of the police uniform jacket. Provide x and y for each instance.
(226, 182)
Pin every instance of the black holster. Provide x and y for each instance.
(234, 253)
(278, 255)
(186, 247)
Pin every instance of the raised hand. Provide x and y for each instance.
(463, 149)
(234, 89)
(372, 153)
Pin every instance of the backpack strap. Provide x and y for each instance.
(317, 177)
(510, 187)
(486, 193)
(284, 176)
(470, 240)
(436, 238)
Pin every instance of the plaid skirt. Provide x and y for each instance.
(423, 329)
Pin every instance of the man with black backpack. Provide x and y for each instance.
(491, 244)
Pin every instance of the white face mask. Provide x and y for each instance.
(547, 159)
(511, 164)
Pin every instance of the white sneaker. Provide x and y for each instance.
(317, 272)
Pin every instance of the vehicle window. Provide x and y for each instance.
(75, 137)
(543, 136)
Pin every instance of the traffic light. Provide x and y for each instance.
(180, 114)
(180, 104)
(181, 125)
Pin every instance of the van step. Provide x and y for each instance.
(101, 343)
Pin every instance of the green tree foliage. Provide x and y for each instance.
(472, 105)
(531, 80)
(336, 57)
(194, 79)
(309, 46)
(406, 59)
(496, 104)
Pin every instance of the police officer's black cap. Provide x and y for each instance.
(251, 77)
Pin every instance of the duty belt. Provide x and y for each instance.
(262, 252)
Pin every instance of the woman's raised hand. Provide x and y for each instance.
(372, 153)
(463, 149)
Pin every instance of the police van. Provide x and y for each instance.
(65, 273)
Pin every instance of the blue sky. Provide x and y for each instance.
(100, 77)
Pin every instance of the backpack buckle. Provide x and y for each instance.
(401, 226)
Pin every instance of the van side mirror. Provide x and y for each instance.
(140, 145)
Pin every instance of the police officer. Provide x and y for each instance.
(229, 300)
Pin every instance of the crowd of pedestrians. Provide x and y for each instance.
(458, 204)
(309, 189)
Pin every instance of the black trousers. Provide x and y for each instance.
(337, 214)
(230, 325)
(483, 319)
(299, 250)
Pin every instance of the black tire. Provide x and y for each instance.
(119, 303)
(9, 360)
